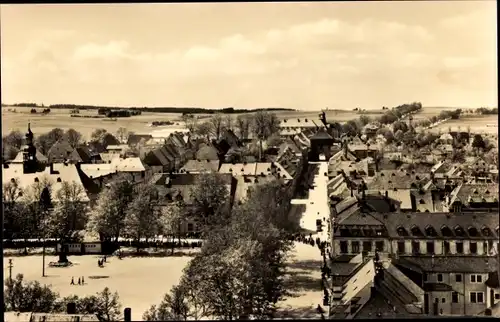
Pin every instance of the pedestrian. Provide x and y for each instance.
(83, 280)
(72, 281)
(79, 281)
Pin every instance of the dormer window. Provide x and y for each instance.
(476, 192)
(487, 192)
(401, 231)
(59, 180)
(485, 231)
(415, 231)
(417, 177)
(422, 202)
(395, 189)
(430, 231)
(473, 231)
(382, 174)
(393, 174)
(446, 231)
(36, 179)
(459, 231)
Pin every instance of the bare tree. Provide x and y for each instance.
(190, 121)
(217, 125)
(73, 137)
(228, 122)
(265, 124)
(243, 124)
(203, 129)
(122, 134)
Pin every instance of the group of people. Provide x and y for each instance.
(81, 281)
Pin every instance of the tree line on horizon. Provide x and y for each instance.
(183, 110)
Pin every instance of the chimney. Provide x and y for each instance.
(345, 149)
(386, 194)
(71, 308)
(373, 291)
(51, 168)
(127, 314)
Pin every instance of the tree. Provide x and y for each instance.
(400, 126)
(173, 217)
(98, 134)
(14, 139)
(478, 142)
(203, 129)
(228, 122)
(190, 121)
(243, 124)
(274, 141)
(12, 209)
(398, 136)
(216, 125)
(45, 141)
(122, 134)
(173, 307)
(70, 212)
(364, 120)
(458, 156)
(105, 304)
(210, 200)
(143, 216)
(28, 297)
(265, 124)
(107, 218)
(73, 137)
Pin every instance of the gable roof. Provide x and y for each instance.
(134, 139)
(20, 157)
(321, 134)
(466, 193)
(207, 152)
(451, 264)
(197, 166)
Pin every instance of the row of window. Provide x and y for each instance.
(430, 247)
(367, 246)
(474, 297)
(415, 247)
(474, 278)
(445, 231)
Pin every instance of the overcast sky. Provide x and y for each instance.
(298, 55)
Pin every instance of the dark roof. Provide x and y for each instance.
(399, 179)
(60, 151)
(321, 134)
(134, 139)
(422, 220)
(201, 166)
(467, 193)
(180, 184)
(449, 264)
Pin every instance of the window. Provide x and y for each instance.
(446, 246)
(473, 248)
(355, 247)
(443, 300)
(379, 246)
(401, 247)
(458, 278)
(367, 246)
(190, 227)
(430, 247)
(415, 231)
(473, 231)
(454, 297)
(446, 231)
(459, 231)
(497, 296)
(474, 278)
(476, 297)
(343, 247)
(415, 247)
(485, 248)
(425, 277)
(440, 277)
(460, 248)
(430, 231)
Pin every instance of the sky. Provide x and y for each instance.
(307, 56)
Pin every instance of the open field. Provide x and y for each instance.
(140, 282)
(61, 118)
(487, 124)
(140, 124)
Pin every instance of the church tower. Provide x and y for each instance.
(30, 163)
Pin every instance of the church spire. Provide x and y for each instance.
(30, 163)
